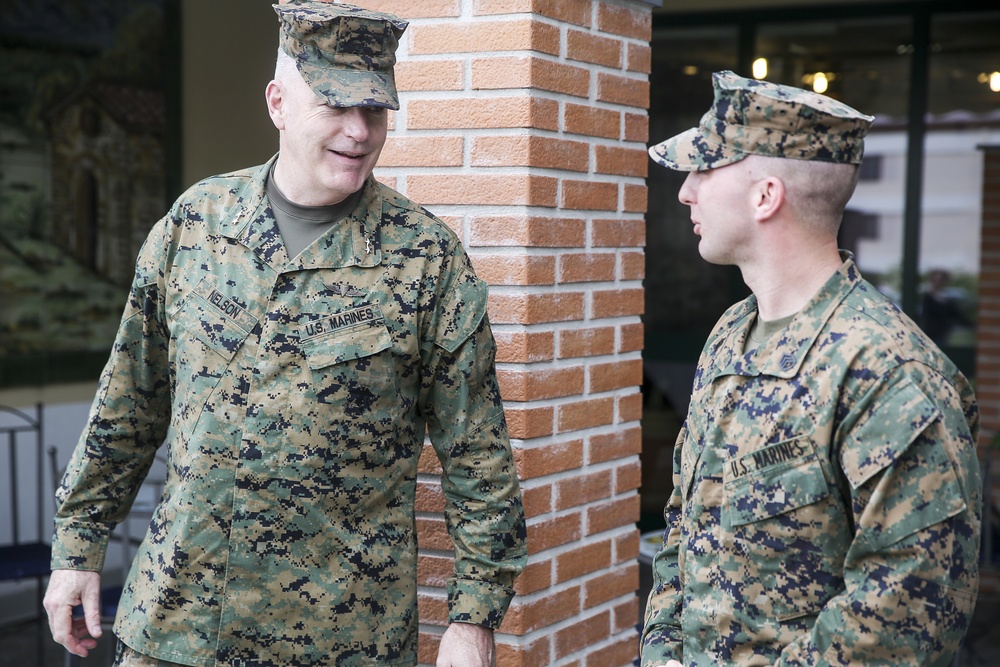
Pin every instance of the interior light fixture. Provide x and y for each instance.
(820, 83)
(995, 82)
(760, 68)
(690, 70)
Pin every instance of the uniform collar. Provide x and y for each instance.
(782, 355)
(355, 241)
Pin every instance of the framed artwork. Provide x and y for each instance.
(83, 175)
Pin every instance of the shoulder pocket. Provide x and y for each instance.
(886, 431)
(462, 308)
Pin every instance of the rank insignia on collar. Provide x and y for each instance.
(787, 362)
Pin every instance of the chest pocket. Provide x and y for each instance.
(208, 330)
(350, 358)
(789, 532)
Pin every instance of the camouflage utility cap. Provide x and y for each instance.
(345, 53)
(750, 117)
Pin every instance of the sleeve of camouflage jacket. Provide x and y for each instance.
(127, 423)
(661, 634)
(911, 573)
(460, 400)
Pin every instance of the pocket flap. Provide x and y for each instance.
(343, 336)
(774, 480)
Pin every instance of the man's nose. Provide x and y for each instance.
(357, 123)
(686, 193)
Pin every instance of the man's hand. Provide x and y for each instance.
(68, 588)
(466, 645)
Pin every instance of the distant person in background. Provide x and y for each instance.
(940, 309)
(826, 504)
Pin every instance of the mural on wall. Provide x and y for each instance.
(82, 177)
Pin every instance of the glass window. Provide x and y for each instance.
(864, 63)
(963, 113)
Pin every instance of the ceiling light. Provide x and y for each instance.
(995, 82)
(760, 68)
(820, 82)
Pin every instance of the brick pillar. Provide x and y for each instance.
(988, 326)
(523, 125)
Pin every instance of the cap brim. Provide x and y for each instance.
(351, 88)
(692, 150)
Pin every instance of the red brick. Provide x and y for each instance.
(422, 152)
(622, 653)
(628, 477)
(537, 500)
(614, 514)
(625, 616)
(583, 559)
(592, 121)
(525, 347)
(618, 303)
(588, 342)
(434, 570)
(532, 231)
(586, 267)
(515, 111)
(592, 48)
(629, 407)
(554, 532)
(580, 415)
(610, 585)
(621, 161)
(615, 375)
(583, 489)
(632, 337)
(485, 190)
(428, 464)
(590, 195)
(615, 445)
(625, 90)
(537, 576)
(418, 75)
(639, 57)
(427, 647)
(530, 151)
(432, 607)
(476, 36)
(627, 546)
(548, 459)
(520, 655)
(535, 308)
(498, 73)
(429, 496)
(633, 266)
(524, 617)
(530, 422)
(414, 10)
(636, 127)
(625, 21)
(570, 11)
(583, 632)
(540, 383)
(432, 534)
(635, 198)
(618, 233)
(515, 269)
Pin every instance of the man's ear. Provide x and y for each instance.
(274, 94)
(768, 196)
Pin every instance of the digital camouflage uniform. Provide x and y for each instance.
(293, 395)
(826, 503)
(826, 500)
